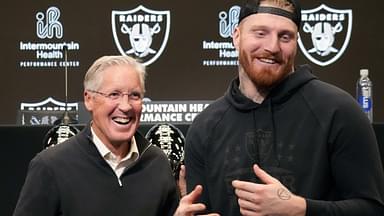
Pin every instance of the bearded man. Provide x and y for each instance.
(280, 141)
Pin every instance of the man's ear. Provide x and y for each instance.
(88, 102)
(236, 38)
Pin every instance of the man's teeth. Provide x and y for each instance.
(122, 120)
(269, 61)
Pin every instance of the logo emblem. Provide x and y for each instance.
(141, 32)
(326, 34)
(228, 21)
(45, 112)
(52, 26)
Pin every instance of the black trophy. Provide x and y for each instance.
(64, 128)
(171, 140)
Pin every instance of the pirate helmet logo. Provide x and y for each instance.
(326, 34)
(141, 32)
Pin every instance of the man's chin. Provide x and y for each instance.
(121, 140)
(267, 82)
(121, 135)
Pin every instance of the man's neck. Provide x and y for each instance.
(120, 150)
(248, 88)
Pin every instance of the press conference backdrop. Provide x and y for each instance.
(186, 46)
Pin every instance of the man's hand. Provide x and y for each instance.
(187, 207)
(271, 198)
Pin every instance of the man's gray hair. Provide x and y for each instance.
(93, 77)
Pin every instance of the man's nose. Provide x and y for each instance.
(272, 44)
(125, 103)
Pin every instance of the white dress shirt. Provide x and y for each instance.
(113, 161)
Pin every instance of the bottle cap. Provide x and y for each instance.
(363, 72)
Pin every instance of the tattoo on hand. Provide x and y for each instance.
(283, 194)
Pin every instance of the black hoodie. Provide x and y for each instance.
(308, 134)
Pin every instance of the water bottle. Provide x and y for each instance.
(364, 93)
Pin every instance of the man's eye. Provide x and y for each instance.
(259, 33)
(114, 95)
(287, 37)
(135, 95)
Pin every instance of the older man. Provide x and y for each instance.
(108, 168)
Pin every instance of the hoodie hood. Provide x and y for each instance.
(278, 95)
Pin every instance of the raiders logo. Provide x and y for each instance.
(325, 34)
(45, 112)
(141, 33)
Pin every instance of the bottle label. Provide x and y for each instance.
(365, 103)
(366, 92)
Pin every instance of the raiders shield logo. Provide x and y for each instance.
(141, 33)
(45, 112)
(325, 34)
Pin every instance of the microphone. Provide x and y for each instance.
(66, 118)
(64, 130)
